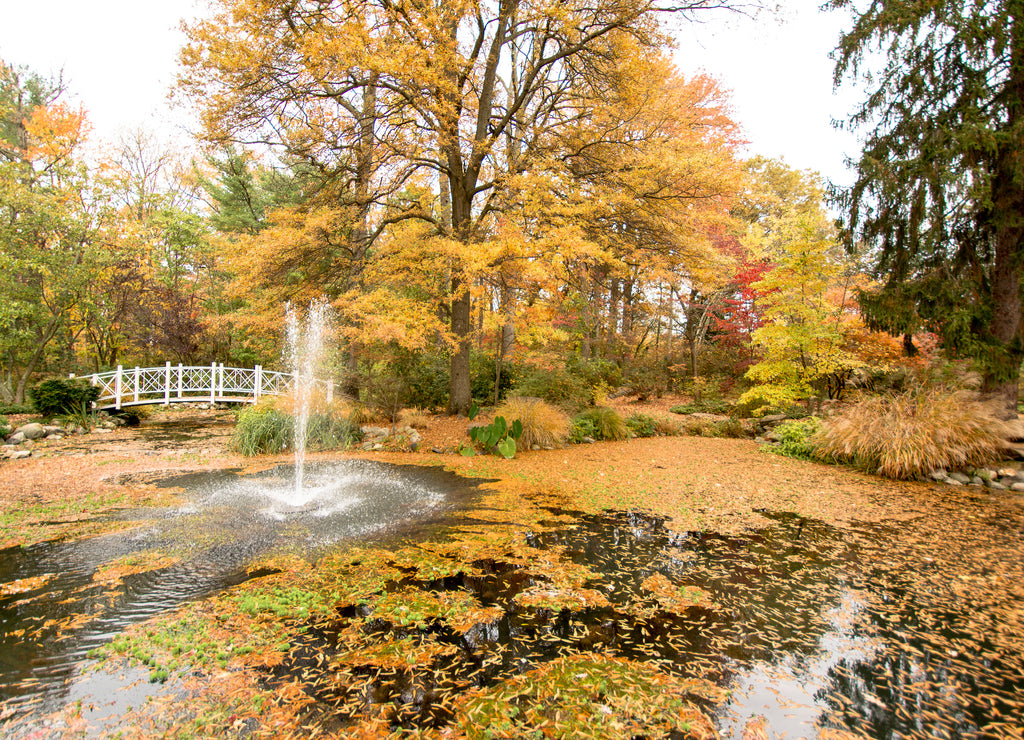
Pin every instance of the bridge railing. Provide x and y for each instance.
(189, 383)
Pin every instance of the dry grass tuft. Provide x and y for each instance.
(414, 418)
(543, 424)
(908, 435)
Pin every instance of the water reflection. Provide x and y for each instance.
(47, 626)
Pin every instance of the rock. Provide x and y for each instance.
(1008, 481)
(1014, 450)
(52, 429)
(53, 436)
(371, 431)
(960, 478)
(939, 474)
(32, 431)
(711, 417)
(985, 474)
(587, 440)
(977, 481)
(102, 430)
(535, 448)
(771, 419)
(20, 454)
(437, 450)
(1007, 472)
(16, 439)
(1018, 487)
(953, 482)
(996, 486)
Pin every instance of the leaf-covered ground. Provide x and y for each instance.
(616, 590)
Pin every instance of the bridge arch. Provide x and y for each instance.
(213, 383)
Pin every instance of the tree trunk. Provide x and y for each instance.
(1003, 367)
(459, 390)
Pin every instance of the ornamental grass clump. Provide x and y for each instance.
(606, 423)
(543, 424)
(911, 434)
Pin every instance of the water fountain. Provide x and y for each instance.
(306, 356)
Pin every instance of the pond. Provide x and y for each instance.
(59, 600)
(907, 629)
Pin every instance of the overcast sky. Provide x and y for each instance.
(119, 59)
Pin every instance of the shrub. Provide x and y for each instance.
(666, 427)
(700, 428)
(731, 428)
(329, 432)
(5, 427)
(910, 434)
(701, 407)
(543, 424)
(580, 429)
(427, 382)
(266, 430)
(606, 423)
(58, 396)
(642, 425)
(481, 378)
(555, 385)
(262, 430)
(796, 438)
(16, 408)
(414, 418)
(595, 372)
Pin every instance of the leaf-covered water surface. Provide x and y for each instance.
(610, 625)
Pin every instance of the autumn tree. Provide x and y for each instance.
(50, 222)
(940, 181)
(804, 293)
(462, 94)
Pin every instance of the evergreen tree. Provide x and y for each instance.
(939, 194)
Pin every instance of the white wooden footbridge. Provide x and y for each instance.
(214, 383)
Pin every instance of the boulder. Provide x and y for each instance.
(32, 431)
(715, 418)
(19, 454)
(16, 439)
(960, 478)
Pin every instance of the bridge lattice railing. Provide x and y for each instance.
(180, 383)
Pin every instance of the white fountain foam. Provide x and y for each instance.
(306, 345)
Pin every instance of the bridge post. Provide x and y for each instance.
(257, 384)
(179, 380)
(135, 391)
(213, 383)
(117, 387)
(167, 383)
(220, 383)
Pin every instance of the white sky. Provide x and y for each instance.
(119, 59)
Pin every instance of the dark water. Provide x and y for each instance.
(229, 522)
(902, 630)
(810, 627)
